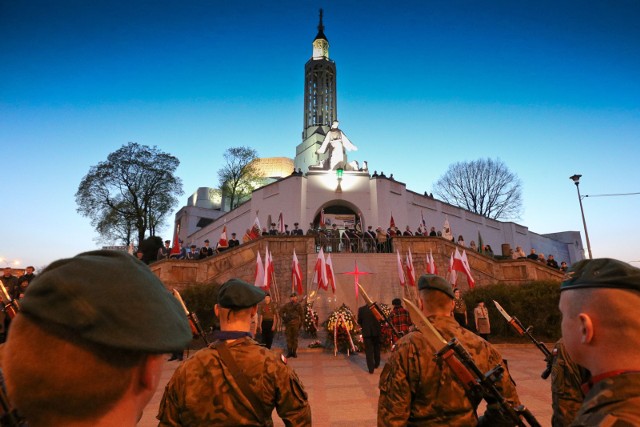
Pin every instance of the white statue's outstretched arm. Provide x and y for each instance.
(324, 145)
(347, 144)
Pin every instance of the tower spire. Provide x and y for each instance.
(321, 29)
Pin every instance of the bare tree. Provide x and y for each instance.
(239, 176)
(133, 190)
(485, 186)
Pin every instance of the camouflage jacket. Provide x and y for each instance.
(612, 402)
(202, 391)
(415, 390)
(292, 313)
(566, 391)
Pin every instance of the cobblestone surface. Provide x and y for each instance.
(343, 393)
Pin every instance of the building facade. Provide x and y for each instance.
(352, 195)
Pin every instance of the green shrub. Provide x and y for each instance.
(534, 303)
(200, 299)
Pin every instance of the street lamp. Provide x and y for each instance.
(576, 179)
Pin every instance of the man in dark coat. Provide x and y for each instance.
(371, 332)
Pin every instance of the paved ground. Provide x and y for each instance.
(343, 393)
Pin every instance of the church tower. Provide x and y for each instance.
(320, 101)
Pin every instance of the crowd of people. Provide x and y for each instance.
(77, 355)
(14, 290)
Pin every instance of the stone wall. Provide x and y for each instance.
(382, 284)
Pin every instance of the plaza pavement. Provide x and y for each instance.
(343, 393)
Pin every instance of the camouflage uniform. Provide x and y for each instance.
(415, 390)
(292, 316)
(202, 391)
(613, 401)
(566, 391)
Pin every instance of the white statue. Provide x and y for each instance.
(339, 144)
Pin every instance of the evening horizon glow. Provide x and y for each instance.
(550, 88)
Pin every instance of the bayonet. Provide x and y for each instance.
(194, 323)
(522, 331)
(11, 307)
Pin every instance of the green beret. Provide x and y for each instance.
(237, 294)
(602, 273)
(431, 281)
(108, 298)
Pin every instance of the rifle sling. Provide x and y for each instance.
(241, 380)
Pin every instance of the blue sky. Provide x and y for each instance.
(549, 87)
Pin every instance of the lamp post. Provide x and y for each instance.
(339, 173)
(576, 180)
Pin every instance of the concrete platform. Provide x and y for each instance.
(343, 393)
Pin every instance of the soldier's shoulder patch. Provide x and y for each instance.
(283, 359)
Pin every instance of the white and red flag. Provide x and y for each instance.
(400, 270)
(431, 264)
(467, 270)
(268, 269)
(255, 229)
(392, 223)
(320, 271)
(453, 275)
(280, 224)
(223, 242)
(259, 275)
(411, 273)
(331, 277)
(296, 274)
(175, 249)
(322, 223)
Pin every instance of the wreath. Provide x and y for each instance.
(310, 321)
(344, 333)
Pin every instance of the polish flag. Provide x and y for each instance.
(175, 249)
(322, 223)
(223, 242)
(331, 277)
(320, 275)
(411, 274)
(259, 276)
(280, 224)
(255, 229)
(467, 270)
(431, 264)
(453, 275)
(268, 269)
(296, 274)
(392, 223)
(400, 270)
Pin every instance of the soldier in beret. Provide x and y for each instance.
(292, 315)
(599, 302)
(88, 346)
(417, 390)
(234, 381)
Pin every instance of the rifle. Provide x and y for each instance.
(477, 385)
(522, 331)
(194, 323)
(11, 306)
(377, 311)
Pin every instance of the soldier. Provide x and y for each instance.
(234, 381)
(599, 303)
(417, 390)
(292, 316)
(88, 346)
(566, 391)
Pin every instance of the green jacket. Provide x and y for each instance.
(202, 391)
(415, 390)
